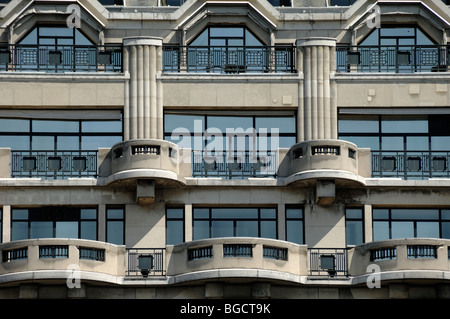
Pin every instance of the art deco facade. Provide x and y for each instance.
(224, 149)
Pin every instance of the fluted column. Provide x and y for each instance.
(143, 109)
(317, 113)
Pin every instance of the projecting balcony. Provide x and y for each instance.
(411, 164)
(228, 60)
(393, 59)
(61, 58)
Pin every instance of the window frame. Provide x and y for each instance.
(108, 219)
(178, 219)
(295, 219)
(361, 219)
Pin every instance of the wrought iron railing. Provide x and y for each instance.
(411, 164)
(146, 262)
(421, 251)
(228, 59)
(234, 165)
(61, 58)
(398, 59)
(328, 262)
(53, 164)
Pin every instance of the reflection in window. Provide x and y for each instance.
(354, 226)
(115, 225)
(54, 222)
(295, 225)
(234, 222)
(392, 223)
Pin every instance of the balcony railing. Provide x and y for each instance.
(145, 262)
(61, 58)
(411, 164)
(234, 165)
(329, 262)
(53, 164)
(227, 59)
(398, 59)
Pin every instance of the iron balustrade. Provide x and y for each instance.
(54, 251)
(91, 253)
(54, 164)
(238, 250)
(275, 253)
(383, 253)
(61, 58)
(421, 251)
(157, 265)
(234, 165)
(14, 254)
(410, 164)
(228, 59)
(398, 59)
(199, 253)
(328, 262)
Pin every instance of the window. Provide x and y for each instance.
(54, 222)
(115, 225)
(53, 134)
(295, 225)
(238, 132)
(354, 226)
(392, 223)
(174, 226)
(234, 222)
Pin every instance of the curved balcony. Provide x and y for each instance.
(55, 258)
(145, 159)
(237, 257)
(329, 159)
(411, 258)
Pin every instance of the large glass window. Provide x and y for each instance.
(232, 133)
(392, 223)
(234, 222)
(54, 222)
(295, 225)
(115, 225)
(174, 226)
(65, 135)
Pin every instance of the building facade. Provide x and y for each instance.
(224, 149)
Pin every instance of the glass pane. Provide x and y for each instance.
(428, 229)
(43, 143)
(294, 231)
(247, 228)
(41, 230)
(417, 143)
(268, 229)
(66, 230)
(251, 40)
(81, 39)
(201, 229)
(174, 213)
(88, 213)
(283, 124)
(402, 230)
(193, 123)
(234, 213)
(294, 213)
(14, 125)
(55, 126)
(226, 32)
(392, 143)
(266, 213)
(222, 229)
(95, 142)
(102, 126)
(354, 232)
(399, 125)
(115, 213)
(415, 214)
(372, 142)
(380, 231)
(445, 214)
(284, 142)
(68, 143)
(20, 214)
(115, 232)
(19, 143)
(174, 232)
(88, 230)
(55, 32)
(364, 125)
(201, 40)
(30, 38)
(380, 213)
(19, 230)
(230, 122)
(201, 213)
(446, 230)
(355, 213)
(440, 143)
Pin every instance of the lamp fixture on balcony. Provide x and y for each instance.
(145, 264)
(327, 263)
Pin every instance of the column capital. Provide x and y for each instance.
(140, 40)
(316, 41)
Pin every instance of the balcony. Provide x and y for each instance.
(234, 165)
(228, 60)
(411, 164)
(393, 59)
(64, 58)
(53, 164)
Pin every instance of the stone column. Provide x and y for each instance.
(143, 110)
(317, 113)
